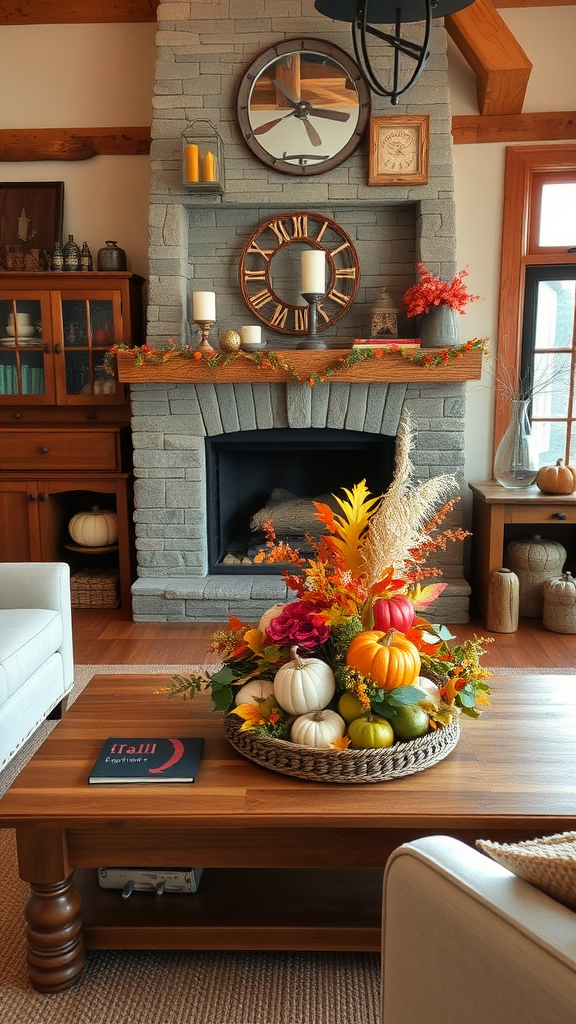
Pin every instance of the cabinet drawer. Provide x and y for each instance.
(59, 449)
(543, 514)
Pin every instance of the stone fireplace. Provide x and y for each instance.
(195, 244)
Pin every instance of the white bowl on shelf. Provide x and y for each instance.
(24, 330)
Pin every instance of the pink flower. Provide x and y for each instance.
(298, 623)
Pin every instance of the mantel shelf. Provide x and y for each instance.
(391, 368)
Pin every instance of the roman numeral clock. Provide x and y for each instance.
(270, 275)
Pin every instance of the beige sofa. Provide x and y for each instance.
(467, 942)
(36, 660)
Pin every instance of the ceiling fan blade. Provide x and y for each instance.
(312, 133)
(263, 128)
(332, 115)
(286, 91)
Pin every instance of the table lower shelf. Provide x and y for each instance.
(244, 908)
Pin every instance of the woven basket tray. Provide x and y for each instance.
(349, 766)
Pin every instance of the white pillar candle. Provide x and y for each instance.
(313, 271)
(204, 305)
(251, 335)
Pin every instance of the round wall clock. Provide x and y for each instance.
(303, 106)
(270, 271)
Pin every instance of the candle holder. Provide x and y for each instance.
(204, 345)
(312, 339)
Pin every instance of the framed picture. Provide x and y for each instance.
(399, 149)
(31, 215)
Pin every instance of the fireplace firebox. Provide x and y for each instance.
(245, 468)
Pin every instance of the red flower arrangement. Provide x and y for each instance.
(431, 291)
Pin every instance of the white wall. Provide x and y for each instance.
(85, 76)
(547, 36)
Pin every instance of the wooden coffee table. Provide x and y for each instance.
(289, 864)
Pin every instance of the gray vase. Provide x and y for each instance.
(439, 328)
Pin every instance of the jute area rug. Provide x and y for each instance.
(176, 987)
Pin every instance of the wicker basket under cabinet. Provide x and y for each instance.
(95, 588)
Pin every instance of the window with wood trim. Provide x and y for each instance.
(536, 332)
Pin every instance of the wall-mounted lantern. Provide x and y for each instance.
(202, 158)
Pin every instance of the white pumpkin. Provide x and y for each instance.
(269, 615)
(304, 684)
(318, 728)
(254, 692)
(95, 529)
(430, 689)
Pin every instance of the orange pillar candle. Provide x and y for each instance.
(192, 163)
(208, 167)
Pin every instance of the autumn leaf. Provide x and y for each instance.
(423, 596)
(235, 623)
(254, 638)
(350, 526)
(341, 743)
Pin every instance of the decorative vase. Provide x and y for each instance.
(111, 257)
(71, 255)
(85, 257)
(516, 461)
(439, 328)
(503, 602)
(57, 257)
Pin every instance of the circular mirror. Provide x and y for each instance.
(303, 106)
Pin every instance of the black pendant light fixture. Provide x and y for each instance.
(363, 15)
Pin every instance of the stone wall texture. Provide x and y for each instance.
(203, 48)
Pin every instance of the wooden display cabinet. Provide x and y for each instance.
(65, 441)
(55, 329)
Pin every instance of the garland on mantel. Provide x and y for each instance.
(269, 359)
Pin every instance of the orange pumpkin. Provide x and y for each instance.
(390, 659)
(558, 479)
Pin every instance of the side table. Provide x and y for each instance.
(493, 508)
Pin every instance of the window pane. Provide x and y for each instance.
(554, 314)
(550, 384)
(558, 215)
(550, 441)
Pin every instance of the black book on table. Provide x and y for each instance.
(147, 759)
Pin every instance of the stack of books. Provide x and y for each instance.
(386, 344)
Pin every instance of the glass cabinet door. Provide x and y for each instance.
(90, 326)
(24, 340)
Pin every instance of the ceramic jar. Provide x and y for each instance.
(111, 257)
(534, 561)
(503, 602)
(559, 613)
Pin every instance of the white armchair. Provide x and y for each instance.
(467, 942)
(36, 659)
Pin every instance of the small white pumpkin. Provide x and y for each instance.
(95, 529)
(254, 692)
(318, 729)
(304, 684)
(269, 615)
(430, 689)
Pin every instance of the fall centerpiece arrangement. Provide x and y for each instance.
(348, 682)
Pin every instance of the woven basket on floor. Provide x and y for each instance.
(349, 766)
(98, 588)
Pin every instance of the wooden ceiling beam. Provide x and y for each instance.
(502, 68)
(555, 126)
(22, 144)
(75, 12)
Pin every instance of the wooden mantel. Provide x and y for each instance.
(391, 368)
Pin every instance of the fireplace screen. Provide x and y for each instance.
(257, 475)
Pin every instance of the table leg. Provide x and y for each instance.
(54, 934)
(52, 911)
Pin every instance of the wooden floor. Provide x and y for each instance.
(106, 638)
